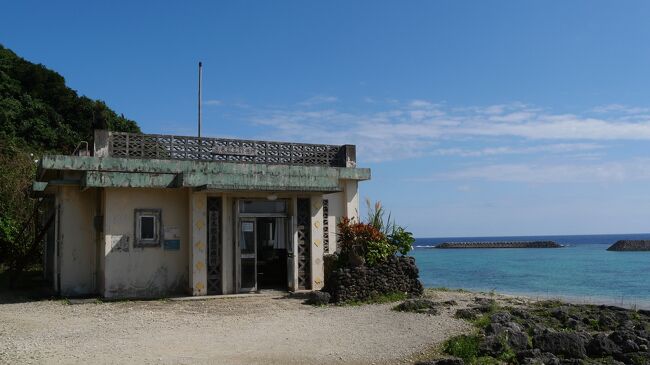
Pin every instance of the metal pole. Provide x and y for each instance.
(200, 76)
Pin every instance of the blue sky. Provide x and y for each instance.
(477, 117)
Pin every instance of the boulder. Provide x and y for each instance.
(484, 301)
(561, 314)
(501, 317)
(607, 322)
(627, 340)
(469, 314)
(425, 306)
(567, 345)
(536, 357)
(502, 337)
(634, 358)
(318, 298)
(601, 346)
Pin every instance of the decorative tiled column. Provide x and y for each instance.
(198, 240)
(317, 268)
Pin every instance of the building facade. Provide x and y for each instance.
(158, 215)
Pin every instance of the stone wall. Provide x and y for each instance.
(398, 275)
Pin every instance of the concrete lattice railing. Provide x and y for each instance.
(156, 146)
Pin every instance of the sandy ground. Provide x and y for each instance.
(257, 329)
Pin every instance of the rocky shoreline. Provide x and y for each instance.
(630, 245)
(546, 332)
(500, 244)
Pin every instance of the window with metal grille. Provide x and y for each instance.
(148, 228)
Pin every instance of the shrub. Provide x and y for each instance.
(401, 240)
(17, 249)
(372, 242)
(464, 346)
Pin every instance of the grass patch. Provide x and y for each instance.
(482, 321)
(378, 299)
(485, 319)
(464, 347)
(445, 289)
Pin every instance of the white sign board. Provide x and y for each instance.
(172, 233)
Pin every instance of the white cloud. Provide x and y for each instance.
(416, 128)
(213, 102)
(319, 99)
(634, 170)
(510, 150)
(620, 108)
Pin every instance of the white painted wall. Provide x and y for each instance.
(351, 192)
(148, 271)
(198, 239)
(76, 241)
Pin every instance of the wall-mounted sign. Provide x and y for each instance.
(173, 245)
(172, 233)
(234, 150)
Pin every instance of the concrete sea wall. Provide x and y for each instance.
(630, 245)
(500, 244)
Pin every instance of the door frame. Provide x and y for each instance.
(240, 256)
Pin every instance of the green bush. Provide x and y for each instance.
(465, 347)
(378, 251)
(401, 240)
(375, 241)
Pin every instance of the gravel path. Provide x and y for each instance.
(261, 329)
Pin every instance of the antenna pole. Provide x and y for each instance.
(200, 77)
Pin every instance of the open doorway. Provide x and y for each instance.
(271, 253)
(264, 241)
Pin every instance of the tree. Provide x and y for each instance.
(17, 247)
(38, 114)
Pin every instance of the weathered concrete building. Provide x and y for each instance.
(155, 215)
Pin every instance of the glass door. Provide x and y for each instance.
(248, 255)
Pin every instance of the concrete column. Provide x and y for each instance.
(351, 192)
(317, 272)
(101, 143)
(198, 243)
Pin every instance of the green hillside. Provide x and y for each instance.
(38, 111)
(38, 114)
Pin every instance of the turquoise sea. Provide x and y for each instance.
(583, 271)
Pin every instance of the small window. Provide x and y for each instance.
(147, 227)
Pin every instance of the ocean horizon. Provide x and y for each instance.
(583, 271)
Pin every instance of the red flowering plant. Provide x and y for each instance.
(373, 242)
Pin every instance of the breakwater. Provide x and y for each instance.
(500, 244)
(630, 245)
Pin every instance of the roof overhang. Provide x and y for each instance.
(152, 173)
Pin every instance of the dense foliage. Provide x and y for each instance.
(38, 110)
(38, 114)
(375, 241)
